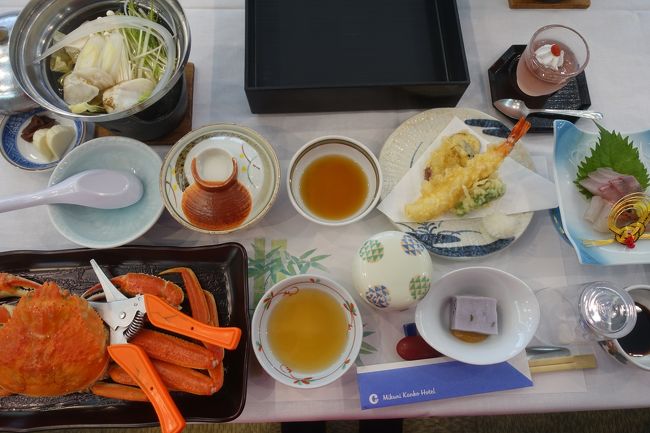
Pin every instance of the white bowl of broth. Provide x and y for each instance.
(334, 180)
(306, 331)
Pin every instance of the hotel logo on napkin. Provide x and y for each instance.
(434, 379)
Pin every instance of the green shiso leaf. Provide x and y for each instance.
(616, 152)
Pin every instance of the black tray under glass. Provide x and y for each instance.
(503, 84)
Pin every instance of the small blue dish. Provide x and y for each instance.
(109, 228)
(24, 154)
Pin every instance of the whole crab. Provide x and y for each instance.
(54, 343)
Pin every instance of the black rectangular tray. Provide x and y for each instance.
(335, 55)
(221, 269)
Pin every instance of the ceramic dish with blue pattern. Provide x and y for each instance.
(459, 239)
(109, 228)
(572, 146)
(24, 154)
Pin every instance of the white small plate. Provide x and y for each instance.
(24, 154)
(453, 239)
(517, 315)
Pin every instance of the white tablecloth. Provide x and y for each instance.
(617, 31)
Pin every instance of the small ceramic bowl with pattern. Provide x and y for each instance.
(220, 178)
(307, 331)
(21, 148)
(334, 180)
(392, 271)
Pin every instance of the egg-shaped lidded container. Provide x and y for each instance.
(392, 271)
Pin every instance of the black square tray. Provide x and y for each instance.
(335, 55)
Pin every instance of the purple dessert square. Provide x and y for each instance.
(474, 314)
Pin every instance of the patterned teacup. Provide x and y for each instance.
(350, 333)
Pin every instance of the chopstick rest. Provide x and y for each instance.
(562, 363)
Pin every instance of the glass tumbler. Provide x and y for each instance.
(535, 75)
(584, 313)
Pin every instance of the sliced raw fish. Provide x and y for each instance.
(595, 207)
(610, 185)
(600, 224)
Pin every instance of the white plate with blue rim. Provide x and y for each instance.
(572, 146)
(459, 239)
(23, 154)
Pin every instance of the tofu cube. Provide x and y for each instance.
(474, 314)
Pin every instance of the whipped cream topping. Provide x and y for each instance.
(545, 57)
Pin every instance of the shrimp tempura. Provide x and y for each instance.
(446, 189)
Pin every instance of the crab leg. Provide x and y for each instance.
(217, 372)
(214, 321)
(119, 392)
(198, 304)
(168, 348)
(173, 376)
(201, 311)
(13, 285)
(136, 284)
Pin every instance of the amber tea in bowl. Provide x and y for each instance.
(307, 331)
(334, 180)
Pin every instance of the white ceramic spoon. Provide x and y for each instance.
(102, 189)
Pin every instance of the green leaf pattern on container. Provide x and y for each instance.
(419, 286)
(371, 251)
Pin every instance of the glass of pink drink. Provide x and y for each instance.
(554, 54)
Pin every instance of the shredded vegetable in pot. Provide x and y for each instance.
(113, 62)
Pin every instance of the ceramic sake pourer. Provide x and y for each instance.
(220, 178)
(216, 204)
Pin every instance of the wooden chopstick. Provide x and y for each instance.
(562, 363)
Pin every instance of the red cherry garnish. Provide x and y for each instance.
(555, 50)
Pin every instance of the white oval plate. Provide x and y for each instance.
(453, 239)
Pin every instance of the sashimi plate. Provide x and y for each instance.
(572, 146)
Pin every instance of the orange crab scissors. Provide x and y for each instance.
(125, 317)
